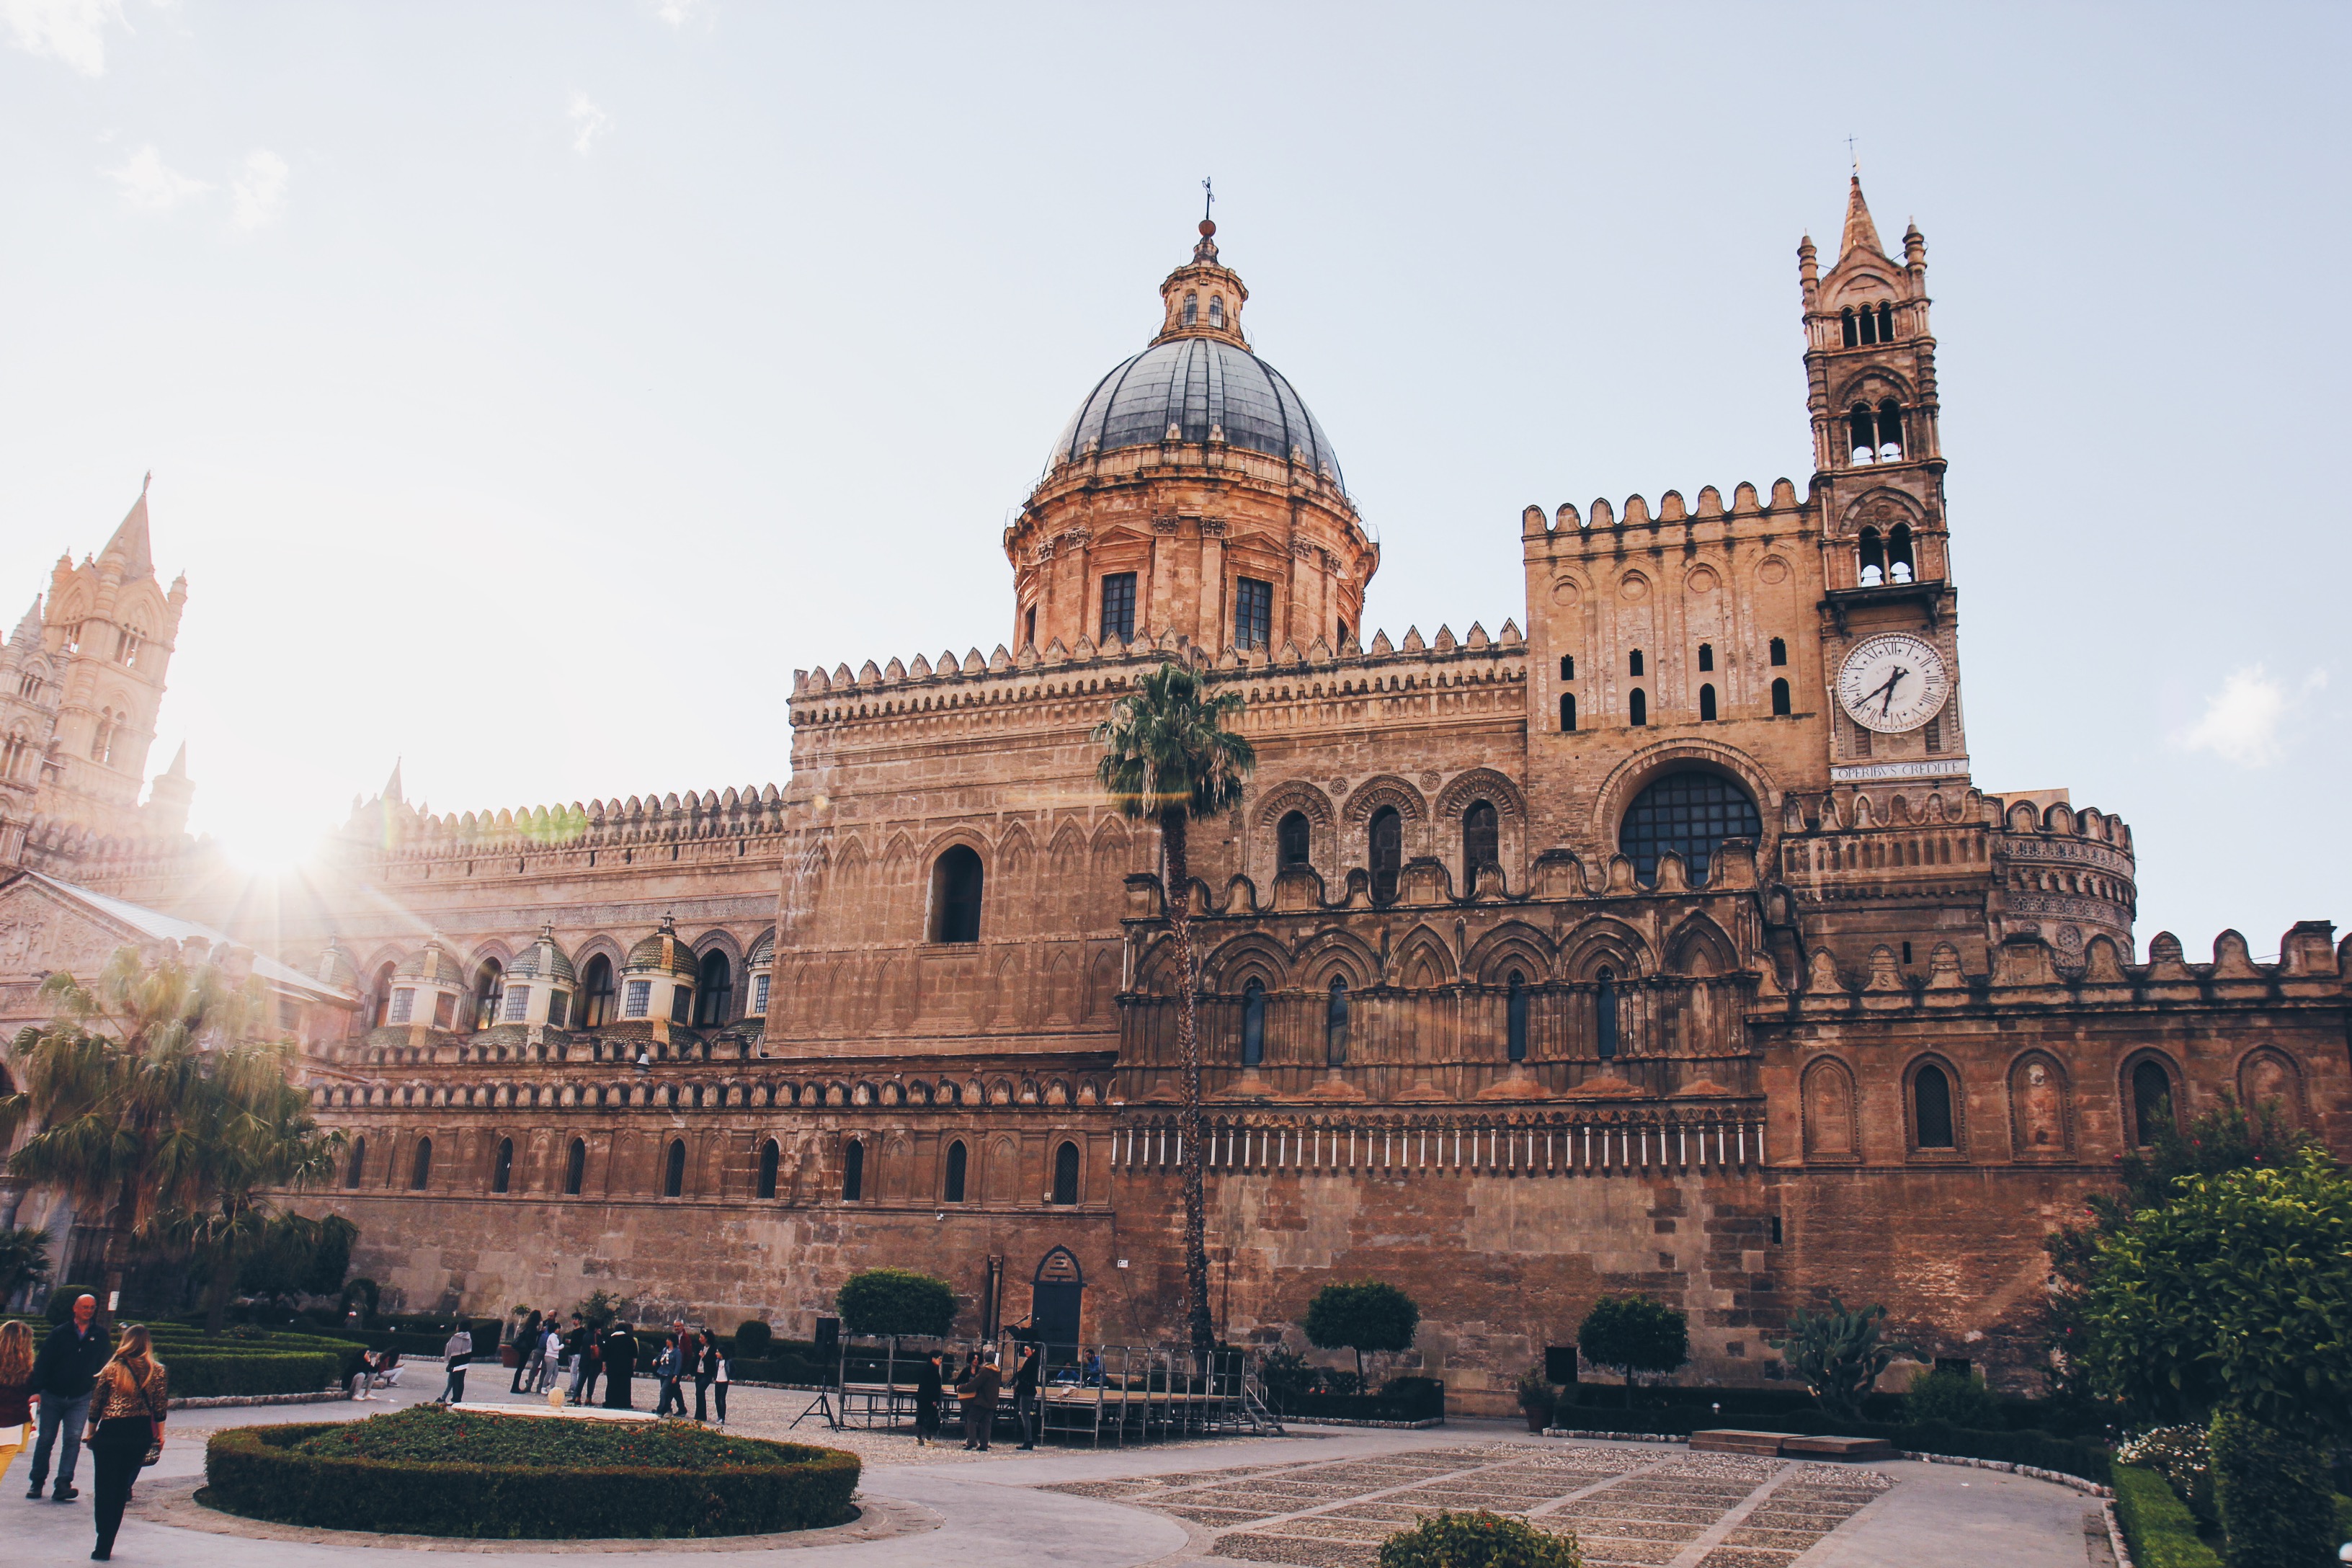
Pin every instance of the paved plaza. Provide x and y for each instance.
(1320, 1498)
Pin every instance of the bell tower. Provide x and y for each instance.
(1890, 652)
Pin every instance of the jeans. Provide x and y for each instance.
(702, 1399)
(454, 1393)
(1024, 1410)
(718, 1391)
(121, 1442)
(72, 1414)
(669, 1401)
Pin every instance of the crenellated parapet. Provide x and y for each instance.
(395, 831)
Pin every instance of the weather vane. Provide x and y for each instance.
(1854, 155)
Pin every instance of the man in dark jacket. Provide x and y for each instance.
(620, 1365)
(1025, 1395)
(929, 1387)
(979, 1411)
(580, 1350)
(526, 1344)
(63, 1373)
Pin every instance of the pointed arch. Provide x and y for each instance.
(1513, 944)
(1252, 955)
(1699, 949)
(1424, 958)
(1337, 953)
(1827, 1104)
(1601, 942)
(1102, 987)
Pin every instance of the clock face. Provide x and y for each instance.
(1893, 683)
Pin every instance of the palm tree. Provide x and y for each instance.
(1168, 756)
(123, 1080)
(24, 1258)
(250, 1129)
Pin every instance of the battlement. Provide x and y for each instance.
(1568, 523)
(1004, 678)
(403, 831)
(2028, 972)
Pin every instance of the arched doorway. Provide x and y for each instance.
(1057, 1291)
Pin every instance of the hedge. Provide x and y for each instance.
(2156, 1525)
(1478, 1540)
(288, 1372)
(2039, 1449)
(250, 1470)
(1402, 1399)
(261, 1349)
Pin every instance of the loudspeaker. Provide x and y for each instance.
(828, 1335)
(1560, 1364)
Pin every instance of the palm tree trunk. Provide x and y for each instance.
(222, 1286)
(1173, 843)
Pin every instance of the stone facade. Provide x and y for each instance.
(1667, 944)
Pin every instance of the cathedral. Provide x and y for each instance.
(1658, 940)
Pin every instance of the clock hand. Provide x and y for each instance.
(1891, 681)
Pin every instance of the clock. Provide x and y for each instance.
(1893, 683)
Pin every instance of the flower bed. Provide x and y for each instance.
(435, 1472)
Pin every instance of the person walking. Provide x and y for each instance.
(580, 1346)
(126, 1424)
(62, 1376)
(930, 1380)
(17, 1394)
(721, 1365)
(980, 1411)
(665, 1366)
(620, 1366)
(551, 1353)
(455, 1356)
(704, 1365)
(526, 1344)
(1025, 1395)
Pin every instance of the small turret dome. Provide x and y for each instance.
(433, 966)
(662, 953)
(543, 960)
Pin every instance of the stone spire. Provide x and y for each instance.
(130, 544)
(392, 785)
(1861, 234)
(28, 630)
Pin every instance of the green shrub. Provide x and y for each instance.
(2156, 1525)
(435, 1472)
(753, 1339)
(1838, 1353)
(1958, 1397)
(197, 1376)
(1479, 1540)
(896, 1302)
(176, 1342)
(2271, 1491)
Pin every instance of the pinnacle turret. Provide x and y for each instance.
(1861, 234)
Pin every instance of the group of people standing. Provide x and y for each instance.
(979, 1384)
(546, 1352)
(114, 1398)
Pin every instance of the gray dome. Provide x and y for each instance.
(1194, 384)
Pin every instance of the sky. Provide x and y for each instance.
(530, 389)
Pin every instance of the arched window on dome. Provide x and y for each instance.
(1216, 309)
(1293, 841)
(714, 991)
(1191, 309)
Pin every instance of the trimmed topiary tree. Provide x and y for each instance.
(1633, 1336)
(1479, 1540)
(896, 1302)
(1370, 1315)
(752, 1340)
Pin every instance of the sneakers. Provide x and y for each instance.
(65, 1494)
(34, 1495)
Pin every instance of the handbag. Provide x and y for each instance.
(156, 1447)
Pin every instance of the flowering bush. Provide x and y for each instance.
(2181, 1455)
